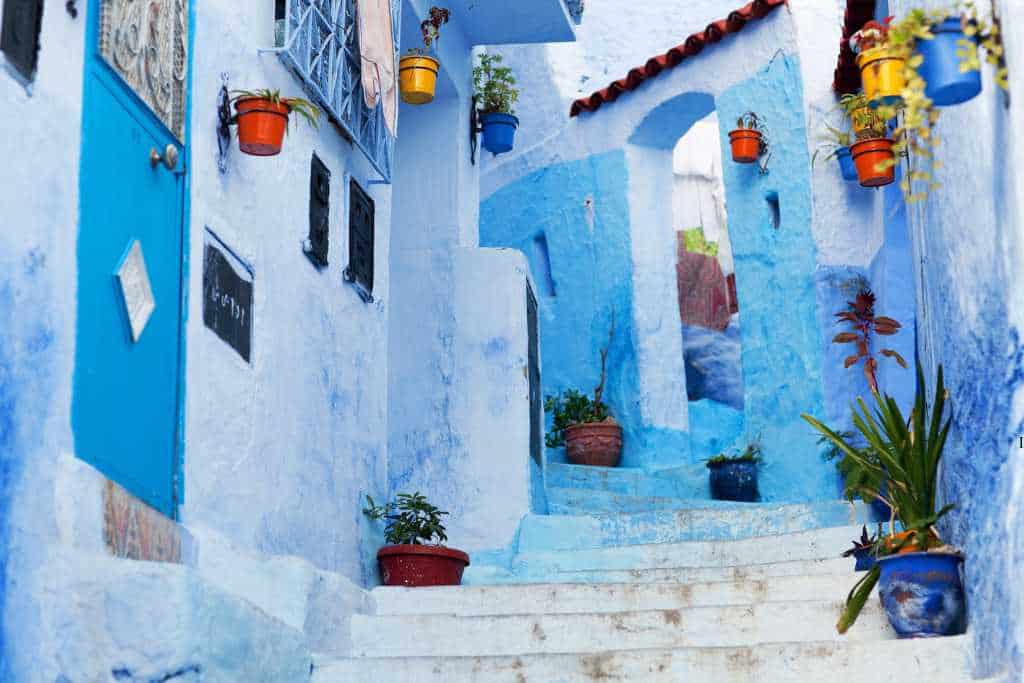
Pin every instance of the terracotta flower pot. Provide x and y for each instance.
(261, 126)
(868, 155)
(746, 145)
(598, 444)
(421, 565)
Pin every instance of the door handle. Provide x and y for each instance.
(169, 157)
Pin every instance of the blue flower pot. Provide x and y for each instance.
(945, 83)
(499, 132)
(846, 164)
(922, 594)
(865, 560)
(734, 481)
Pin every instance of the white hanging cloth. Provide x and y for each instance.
(377, 54)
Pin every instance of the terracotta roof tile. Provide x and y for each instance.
(715, 31)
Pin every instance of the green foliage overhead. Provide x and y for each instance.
(571, 408)
(494, 85)
(696, 243)
(410, 520)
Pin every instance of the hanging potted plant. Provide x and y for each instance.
(881, 67)
(417, 70)
(585, 427)
(410, 558)
(734, 477)
(748, 140)
(495, 95)
(873, 155)
(914, 563)
(836, 145)
(263, 117)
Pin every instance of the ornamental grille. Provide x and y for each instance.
(146, 44)
(321, 45)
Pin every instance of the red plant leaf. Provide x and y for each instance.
(847, 315)
(845, 338)
(892, 354)
(850, 360)
(887, 331)
(888, 322)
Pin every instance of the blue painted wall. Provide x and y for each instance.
(775, 280)
(573, 218)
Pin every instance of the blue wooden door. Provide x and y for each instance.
(126, 406)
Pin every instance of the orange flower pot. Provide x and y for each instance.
(871, 157)
(746, 145)
(261, 126)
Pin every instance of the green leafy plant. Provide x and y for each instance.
(866, 122)
(860, 316)
(908, 454)
(831, 141)
(304, 108)
(749, 121)
(914, 136)
(494, 85)
(752, 453)
(572, 407)
(410, 520)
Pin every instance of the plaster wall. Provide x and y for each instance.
(967, 247)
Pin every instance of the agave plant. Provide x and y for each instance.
(866, 542)
(908, 454)
(304, 108)
(860, 315)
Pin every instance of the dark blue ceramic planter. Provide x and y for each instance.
(865, 560)
(945, 83)
(734, 481)
(499, 132)
(846, 164)
(922, 594)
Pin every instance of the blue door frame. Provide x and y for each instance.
(128, 399)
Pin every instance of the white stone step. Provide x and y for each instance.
(937, 660)
(563, 598)
(717, 626)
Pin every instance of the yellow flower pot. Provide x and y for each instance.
(417, 78)
(882, 75)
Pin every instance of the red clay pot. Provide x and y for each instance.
(598, 444)
(421, 565)
(867, 155)
(261, 126)
(746, 145)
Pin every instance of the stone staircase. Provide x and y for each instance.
(659, 589)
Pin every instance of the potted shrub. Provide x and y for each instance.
(585, 427)
(881, 67)
(748, 140)
(495, 94)
(734, 477)
(410, 558)
(914, 562)
(863, 551)
(263, 117)
(417, 70)
(873, 155)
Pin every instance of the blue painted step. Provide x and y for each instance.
(576, 501)
(689, 481)
(703, 520)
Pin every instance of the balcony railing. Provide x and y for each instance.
(320, 43)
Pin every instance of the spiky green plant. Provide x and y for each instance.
(908, 454)
(304, 108)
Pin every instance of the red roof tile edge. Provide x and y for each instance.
(715, 31)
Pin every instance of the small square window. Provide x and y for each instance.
(360, 241)
(19, 38)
